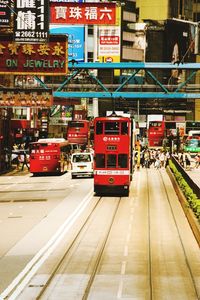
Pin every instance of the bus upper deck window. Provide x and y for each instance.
(112, 128)
(124, 128)
(100, 160)
(99, 128)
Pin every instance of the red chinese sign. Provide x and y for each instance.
(83, 13)
(109, 40)
(26, 97)
(34, 59)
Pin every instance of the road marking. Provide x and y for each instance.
(20, 282)
(126, 250)
(119, 293)
(123, 268)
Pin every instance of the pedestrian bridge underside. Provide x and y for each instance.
(83, 81)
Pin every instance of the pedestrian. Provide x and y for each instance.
(62, 162)
(157, 163)
(197, 161)
(184, 160)
(7, 161)
(188, 161)
(19, 161)
(167, 157)
(162, 159)
(25, 161)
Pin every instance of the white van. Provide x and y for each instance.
(81, 164)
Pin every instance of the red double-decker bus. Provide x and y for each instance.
(49, 156)
(78, 132)
(156, 133)
(112, 155)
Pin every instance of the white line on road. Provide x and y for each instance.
(19, 283)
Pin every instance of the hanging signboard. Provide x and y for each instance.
(5, 13)
(31, 21)
(26, 97)
(35, 59)
(98, 13)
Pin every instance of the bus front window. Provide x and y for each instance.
(111, 161)
(99, 128)
(124, 128)
(112, 128)
(122, 160)
(100, 160)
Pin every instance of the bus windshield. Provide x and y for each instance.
(75, 124)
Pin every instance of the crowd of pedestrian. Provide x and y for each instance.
(155, 158)
(187, 162)
(20, 157)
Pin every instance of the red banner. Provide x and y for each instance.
(34, 59)
(83, 13)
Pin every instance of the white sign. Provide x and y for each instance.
(109, 41)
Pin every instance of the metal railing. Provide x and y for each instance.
(187, 178)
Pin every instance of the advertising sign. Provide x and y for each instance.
(109, 41)
(98, 13)
(65, 1)
(5, 13)
(35, 59)
(31, 23)
(75, 39)
(26, 97)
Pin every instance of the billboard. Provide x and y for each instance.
(75, 40)
(109, 41)
(97, 13)
(65, 1)
(34, 59)
(31, 21)
(26, 97)
(5, 13)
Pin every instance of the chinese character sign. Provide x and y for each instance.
(26, 97)
(83, 13)
(34, 59)
(5, 13)
(75, 39)
(109, 40)
(31, 23)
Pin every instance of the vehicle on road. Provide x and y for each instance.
(49, 156)
(78, 132)
(192, 143)
(112, 155)
(82, 164)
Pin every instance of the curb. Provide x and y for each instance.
(194, 224)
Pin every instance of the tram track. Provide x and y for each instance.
(66, 257)
(136, 247)
(94, 261)
(180, 239)
(180, 243)
(149, 240)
